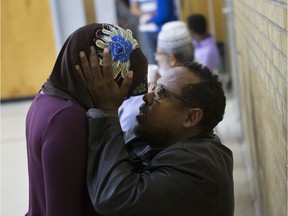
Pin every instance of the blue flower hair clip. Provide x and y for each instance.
(121, 44)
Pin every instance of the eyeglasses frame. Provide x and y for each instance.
(169, 93)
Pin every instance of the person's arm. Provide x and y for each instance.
(64, 160)
(135, 9)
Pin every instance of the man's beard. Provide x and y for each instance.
(143, 134)
(138, 132)
(154, 139)
(163, 68)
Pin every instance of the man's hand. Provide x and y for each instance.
(104, 91)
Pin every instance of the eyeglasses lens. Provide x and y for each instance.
(158, 92)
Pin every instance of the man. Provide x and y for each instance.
(206, 50)
(185, 170)
(174, 47)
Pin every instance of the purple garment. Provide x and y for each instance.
(206, 52)
(56, 128)
(56, 148)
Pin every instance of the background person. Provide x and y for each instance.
(184, 169)
(174, 48)
(144, 10)
(56, 125)
(125, 18)
(152, 15)
(206, 50)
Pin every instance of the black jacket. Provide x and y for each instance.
(192, 177)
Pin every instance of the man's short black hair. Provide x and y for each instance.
(197, 23)
(207, 95)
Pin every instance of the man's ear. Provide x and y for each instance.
(172, 60)
(193, 117)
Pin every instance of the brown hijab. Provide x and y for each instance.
(126, 55)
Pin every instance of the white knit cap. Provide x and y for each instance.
(173, 34)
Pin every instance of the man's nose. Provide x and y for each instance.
(148, 98)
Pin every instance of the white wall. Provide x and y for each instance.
(67, 16)
(105, 11)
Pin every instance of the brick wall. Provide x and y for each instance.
(261, 43)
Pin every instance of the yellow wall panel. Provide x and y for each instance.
(28, 48)
(219, 20)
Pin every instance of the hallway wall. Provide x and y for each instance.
(261, 41)
(32, 34)
(28, 50)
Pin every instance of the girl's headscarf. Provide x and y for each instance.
(126, 55)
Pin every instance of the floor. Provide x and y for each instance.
(14, 178)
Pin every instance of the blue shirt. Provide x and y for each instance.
(165, 12)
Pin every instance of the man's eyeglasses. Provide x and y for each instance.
(159, 91)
